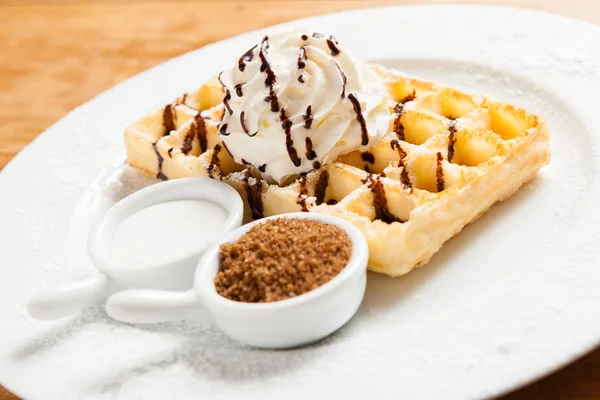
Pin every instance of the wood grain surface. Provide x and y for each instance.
(55, 55)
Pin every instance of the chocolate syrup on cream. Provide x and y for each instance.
(243, 124)
(270, 79)
(238, 90)
(280, 92)
(223, 130)
(360, 118)
(310, 153)
(226, 102)
(289, 142)
(342, 76)
(302, 58)
(308, 117)
(246, 57)
(333, 48)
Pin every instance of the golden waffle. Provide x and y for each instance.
(448, 156)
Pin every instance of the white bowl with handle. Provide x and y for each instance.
(173, 273)
(281, 324)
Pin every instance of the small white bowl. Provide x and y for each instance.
(281, 324)
(173, 274)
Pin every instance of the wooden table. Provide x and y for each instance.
(57, 55)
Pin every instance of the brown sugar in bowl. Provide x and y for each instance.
(282, 258)
(294, 321)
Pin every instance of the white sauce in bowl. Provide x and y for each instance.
(166, 232)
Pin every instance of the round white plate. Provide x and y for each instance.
(512, 297)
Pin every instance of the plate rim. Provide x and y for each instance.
(11, 167)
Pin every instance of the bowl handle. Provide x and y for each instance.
(146, 306)
(68, 298)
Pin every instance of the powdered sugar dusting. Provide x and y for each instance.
(503, 293)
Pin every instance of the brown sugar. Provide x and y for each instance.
(281, 258)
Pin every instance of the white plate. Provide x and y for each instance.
(512, 297)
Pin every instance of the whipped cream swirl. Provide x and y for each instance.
(297, 101)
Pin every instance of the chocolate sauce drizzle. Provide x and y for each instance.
(399, 110)
(301, 79)
(308, 118)
(321, 187)
(398, 126)
(304, 37)
(333, 48)
(245, 162)
(182, 99)
(302, 58)
(219, 78)
(343, 76)
(404, 178)
(310, 153)
(199, 128)
(227, 149)
(360, 118)
(316, 164)
(302, 194)
(367, 156)
(169, 124)
(160, 174)
(270, 79)
(223, 130)
(243, 124)
(409, 97)
(451, 139)
(289, 143)
(246, 57)
(187, 142)
(226, 101)
(380, 205)
(439, 172)
(452, 126)
(331, 42)
(170, 151)
(254, 194)
(169, 119)
(262, 168)
(214, 162)
(238, 90)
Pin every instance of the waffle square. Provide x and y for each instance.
(448, 156)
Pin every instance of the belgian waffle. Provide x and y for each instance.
(448, 157)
